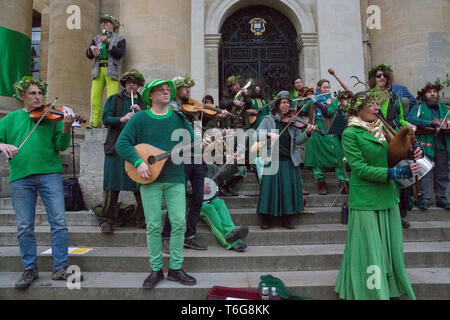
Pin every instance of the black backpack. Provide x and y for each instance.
(73, 198)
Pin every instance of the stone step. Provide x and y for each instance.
(427, 283)
(247, 216)
(85, 236)
(217, 259)
(241, 201)
(313, 200)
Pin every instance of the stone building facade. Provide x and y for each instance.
(177, 37)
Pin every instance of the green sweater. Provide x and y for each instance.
(146, 127)
(40, 153)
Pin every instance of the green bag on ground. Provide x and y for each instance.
(282, 291)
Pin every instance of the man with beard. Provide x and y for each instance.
(430, 113)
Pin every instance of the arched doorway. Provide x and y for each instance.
(263, 49)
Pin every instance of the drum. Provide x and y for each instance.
(426, 165)
(213, 187)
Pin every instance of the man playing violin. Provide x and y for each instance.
(36, 167)
(431, 113)
(194, 172)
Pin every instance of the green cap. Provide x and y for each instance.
(132, 75)
(150, 85)
(111, 19)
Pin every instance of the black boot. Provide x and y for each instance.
(265, 221)
(286, 222)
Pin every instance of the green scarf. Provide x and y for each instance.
(427, 141)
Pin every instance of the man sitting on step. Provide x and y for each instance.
(35, 166)
(216, 215)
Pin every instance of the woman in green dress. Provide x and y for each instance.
(324, 151)
(372, 266)
(281, 190)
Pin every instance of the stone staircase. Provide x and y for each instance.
(306, 259)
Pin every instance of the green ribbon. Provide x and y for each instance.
(15, 62)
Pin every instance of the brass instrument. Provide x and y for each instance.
(240, 95)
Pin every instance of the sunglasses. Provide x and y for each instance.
(380, 75)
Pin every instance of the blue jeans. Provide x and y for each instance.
(24, 195)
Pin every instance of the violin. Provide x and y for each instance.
(55, 114)
(193, 107)
(303, 91)
(292, 118)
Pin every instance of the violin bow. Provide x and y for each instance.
(442, 123)
(37, 123)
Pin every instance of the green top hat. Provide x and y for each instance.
(149, 87)
(111, 19)
(134, 75)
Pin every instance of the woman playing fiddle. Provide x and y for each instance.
(281, 193)
(36, 167)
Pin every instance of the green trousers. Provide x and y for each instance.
(174, 197)
(341, 174)
(218, 218)
(98, 85)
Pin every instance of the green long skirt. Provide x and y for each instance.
(281, 193)
(323, 151)
(373, 265)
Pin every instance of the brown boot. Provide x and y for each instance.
(322, 185)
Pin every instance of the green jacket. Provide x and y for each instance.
(367, 158)
(40, 154)
(421, 115)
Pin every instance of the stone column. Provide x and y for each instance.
(158, 35)
(212, 47)
(340, 41)
(414, 39)
(197, 48)
(308, 58)
(15, 15)
(69, 71)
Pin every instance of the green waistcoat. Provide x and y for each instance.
(367, 158)
(427, 141)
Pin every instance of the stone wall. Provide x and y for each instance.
(415, 39)
(92, 159)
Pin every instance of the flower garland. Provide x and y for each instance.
(359, 101)
(374, 69)
(187, 81)
(21, 86)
